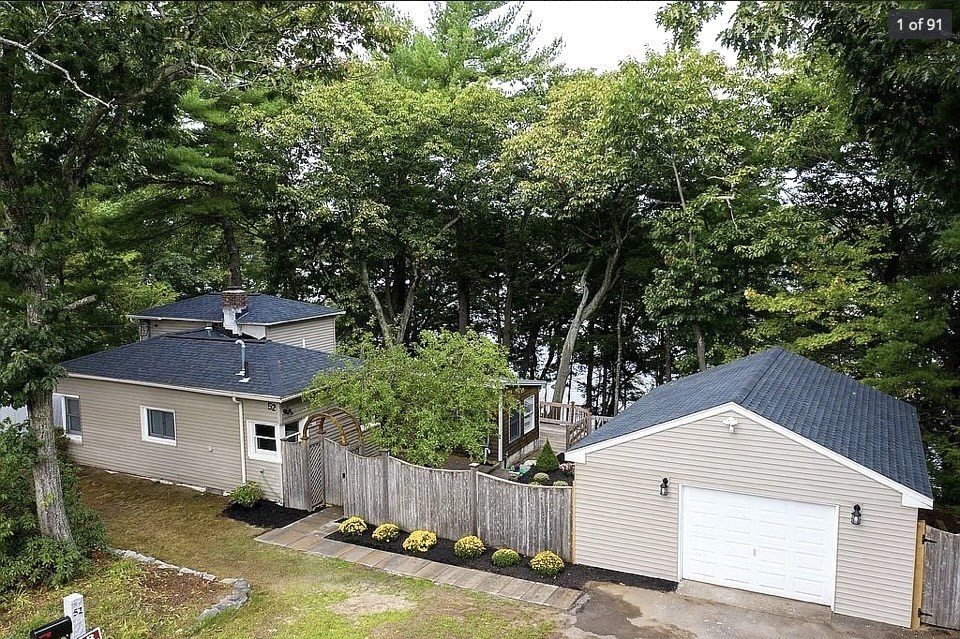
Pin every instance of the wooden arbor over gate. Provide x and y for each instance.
(302, 455)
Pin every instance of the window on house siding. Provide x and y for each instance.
(291, 431)
(66, 414)
(161, 424)
(523, 418)
(265, 437)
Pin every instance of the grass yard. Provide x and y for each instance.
(294, 594)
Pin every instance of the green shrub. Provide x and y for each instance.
(247, 494)
(386, 533)
(547, 564)
(468, 547)
(26, 558)
(353, 527)
(541, 479)
(420, 541)
(547, 462)
(505, 557)
(560, 482)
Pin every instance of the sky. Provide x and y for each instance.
(597, 35)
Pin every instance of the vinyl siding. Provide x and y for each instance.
(207, 453)
(162, 327)
(315, 334)
(622, 523)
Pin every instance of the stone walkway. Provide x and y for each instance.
(307, 535)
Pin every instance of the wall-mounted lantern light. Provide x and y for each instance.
(855, 517)
(731, 424)
(663, 487)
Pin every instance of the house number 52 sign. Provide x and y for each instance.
(73, 608)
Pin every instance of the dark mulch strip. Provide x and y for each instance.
(574, 575)
(942, 519)
(556, 475)
(265, 514)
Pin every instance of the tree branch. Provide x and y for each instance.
(53, 65)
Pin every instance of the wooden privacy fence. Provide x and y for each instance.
(454, 503)
(940, 604)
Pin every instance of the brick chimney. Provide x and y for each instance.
(234, 302)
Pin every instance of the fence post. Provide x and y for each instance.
(385, 489)
(918, 576)
(474, 507)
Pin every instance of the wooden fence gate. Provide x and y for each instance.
(941, 579)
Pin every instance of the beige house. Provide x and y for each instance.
(770, 474)
(206, 394)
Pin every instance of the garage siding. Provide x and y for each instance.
(622, 523)
(207, 453)
(315, 334)
(162, 327)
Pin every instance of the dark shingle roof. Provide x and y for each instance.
(871, 428)
(261, 309)
(208, 360)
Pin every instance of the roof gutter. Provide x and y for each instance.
(218, 320)
(188, 389)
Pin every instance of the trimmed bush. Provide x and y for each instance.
(547, 564)
(505, 557)
(560, 482)
(468, 547)
(420, 541)
(546, 460)
(541, 478)
(386, 533)
(353, 527)
(247, 494)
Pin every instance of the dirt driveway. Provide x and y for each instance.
(632, 613)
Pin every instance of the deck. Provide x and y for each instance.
(566, 424)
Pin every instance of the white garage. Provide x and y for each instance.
(773, 546)
(770, 474)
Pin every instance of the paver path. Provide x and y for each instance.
(307, 535)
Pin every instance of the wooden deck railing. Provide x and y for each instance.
(567, 423)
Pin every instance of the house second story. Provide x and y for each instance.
(244, 314)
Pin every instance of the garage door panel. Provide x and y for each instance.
(773, 546)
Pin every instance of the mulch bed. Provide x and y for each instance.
(573, 576)
(556, 475)
(265, 514)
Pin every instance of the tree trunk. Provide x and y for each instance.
(233, 253)
(667, 357)
(589, 388)
(463, 303)
(585, 309)
(701, 347)
(618, 366)
(385, 327)
(508, 317)
(48, 487)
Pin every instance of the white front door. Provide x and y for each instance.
(772, 546)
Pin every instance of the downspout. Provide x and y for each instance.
(243, 441)
(500, 450)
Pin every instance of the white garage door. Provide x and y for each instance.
(773, 546)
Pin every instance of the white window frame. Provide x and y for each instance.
(77, 437)
(262, 455)
(145, 426)
(299, 423)
(529, 418)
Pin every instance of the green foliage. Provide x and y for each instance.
(547, 563)
(560, 482)
(540, 479)
(468, 547)
(547, 461)
(353, 526)
(505, 557)
(420, 541)
(386, 533)
(27, 558)
(247, 494)
(427, 401)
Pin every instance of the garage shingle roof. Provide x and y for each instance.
(208, 360)
(261, 309)
(871, 428)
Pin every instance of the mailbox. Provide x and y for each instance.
(62, 628)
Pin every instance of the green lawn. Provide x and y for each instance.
(292, 591)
